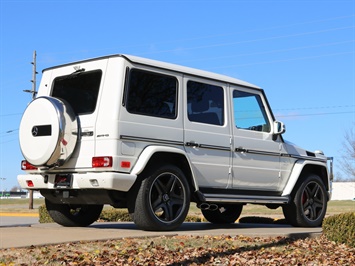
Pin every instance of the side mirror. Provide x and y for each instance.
(279, 128)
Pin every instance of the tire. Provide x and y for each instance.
(73, 215)
(225, 214)
(48, 132)
(163, 200)
(309, 203)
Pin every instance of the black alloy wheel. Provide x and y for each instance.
(163, 200)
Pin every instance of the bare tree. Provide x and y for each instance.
(347, 161)
(15, 188)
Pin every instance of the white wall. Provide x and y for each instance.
(343, 191)
(36, 195)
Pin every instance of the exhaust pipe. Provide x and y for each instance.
(203, 206)
(207, 206)
(214, 207)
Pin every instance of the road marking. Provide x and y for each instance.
(16, 214)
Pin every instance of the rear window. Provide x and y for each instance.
(79, 89)
(205, 103)
(152, 94)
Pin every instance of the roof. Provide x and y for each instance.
(168, 66)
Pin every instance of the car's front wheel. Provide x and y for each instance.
(73, 215)
(309, 203)
(163, 199)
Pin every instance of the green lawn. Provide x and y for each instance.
(334, 207)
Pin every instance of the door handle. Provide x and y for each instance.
(240, 149)
(192, 144)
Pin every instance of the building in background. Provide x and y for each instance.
(343, 191)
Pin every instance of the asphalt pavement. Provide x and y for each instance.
(18, 219)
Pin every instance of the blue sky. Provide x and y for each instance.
(302, 53)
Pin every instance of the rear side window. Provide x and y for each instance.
(152, 94)
(80, 90)
(205, 103)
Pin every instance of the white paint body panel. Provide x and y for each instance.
(133, 139)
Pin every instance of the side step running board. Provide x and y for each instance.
(245, 199)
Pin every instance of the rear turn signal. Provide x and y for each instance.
(27, 166)
(103, 161)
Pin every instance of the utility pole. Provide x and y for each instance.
(34, 92)
(33, 80)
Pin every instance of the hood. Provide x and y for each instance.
(294, 149)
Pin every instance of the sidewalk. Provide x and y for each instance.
(46, 234)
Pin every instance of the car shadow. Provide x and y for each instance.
(189, 226)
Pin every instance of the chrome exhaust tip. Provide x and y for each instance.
(206, 206)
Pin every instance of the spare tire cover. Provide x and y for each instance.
(48, 132)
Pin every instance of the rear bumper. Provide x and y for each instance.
(104, 180)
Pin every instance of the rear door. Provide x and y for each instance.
(150, 113)
(79, 85)
(207, 134)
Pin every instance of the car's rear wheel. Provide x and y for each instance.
(73, 215)
(309, 203)
(224, 214)
(163, 199)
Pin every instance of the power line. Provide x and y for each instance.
(317, 107)
(233, 43)
(285, 60)
(274, 51)
(9, 132)
(318, 114)
(253, 40)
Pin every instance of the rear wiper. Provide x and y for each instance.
(77, 71)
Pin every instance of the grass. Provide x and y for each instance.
(19, 205)
(341, 206)
(334, 207)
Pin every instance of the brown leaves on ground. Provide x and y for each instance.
(186, 250)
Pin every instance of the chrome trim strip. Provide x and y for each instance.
(213, 147)
(242, 150)
(269, 153)
(308, 158)
(246, 199)
(162, 141)
(171, 142)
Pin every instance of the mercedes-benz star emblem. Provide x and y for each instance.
(35, 131)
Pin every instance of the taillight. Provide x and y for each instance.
(103, 161)
(27, 166)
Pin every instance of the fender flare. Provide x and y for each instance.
(149, 151)
(296, 173)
